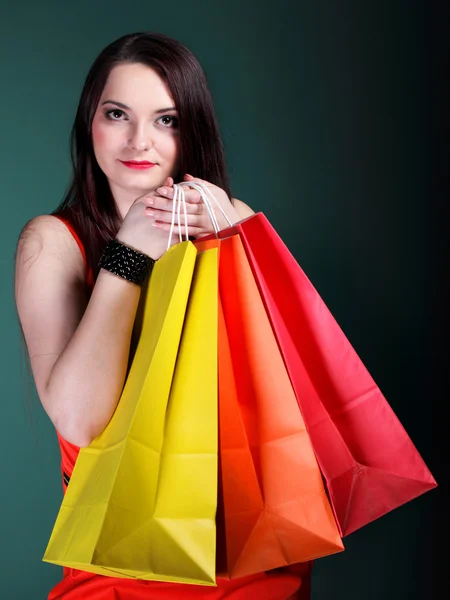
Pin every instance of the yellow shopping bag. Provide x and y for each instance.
(142, 498)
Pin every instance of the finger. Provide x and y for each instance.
(188, 177)
(165, 217)
(193, 196)
(149, 197)
(193, 231)
(166, 191)
(168, 183)
(156, 203)
(190, 195)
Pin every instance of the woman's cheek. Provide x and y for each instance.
(173, 152)
(99, 134)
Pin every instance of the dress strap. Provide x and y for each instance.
(87, 269)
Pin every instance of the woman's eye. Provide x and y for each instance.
(169, 121)
(115, 114)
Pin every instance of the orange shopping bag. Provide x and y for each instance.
(275, 507)
(369, 463)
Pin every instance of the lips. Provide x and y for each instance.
(137, 164)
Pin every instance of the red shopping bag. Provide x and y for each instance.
(276, 510)
(368, 461)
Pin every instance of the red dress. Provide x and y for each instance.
(278, 584)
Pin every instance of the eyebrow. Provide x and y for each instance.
(125, 107)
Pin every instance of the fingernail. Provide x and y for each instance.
(150, 213)
(150, 200)
(162, 191)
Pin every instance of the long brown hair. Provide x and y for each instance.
(88, 202)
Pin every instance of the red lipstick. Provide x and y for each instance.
(138, 164)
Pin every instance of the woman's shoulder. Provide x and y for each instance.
(242, 209)
(48, 227)
(42, 227)
(47, 238)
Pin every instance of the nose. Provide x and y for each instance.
(140, 139)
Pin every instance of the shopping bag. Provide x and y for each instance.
(142, 498)
(275, 506)
(369, 463)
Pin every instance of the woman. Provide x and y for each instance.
(145, 120)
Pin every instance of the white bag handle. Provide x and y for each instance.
(204, 189)
(180, 199)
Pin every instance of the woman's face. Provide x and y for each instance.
(135, 122)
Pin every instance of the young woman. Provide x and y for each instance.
(145, 120)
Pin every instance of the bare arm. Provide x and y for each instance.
(78, 349)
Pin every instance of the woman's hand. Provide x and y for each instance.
(139, 230)
(198, 220)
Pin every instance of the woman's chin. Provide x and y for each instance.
(144, 185)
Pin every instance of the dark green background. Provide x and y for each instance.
(326, 110)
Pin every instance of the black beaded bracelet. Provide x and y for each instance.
(125, 262)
